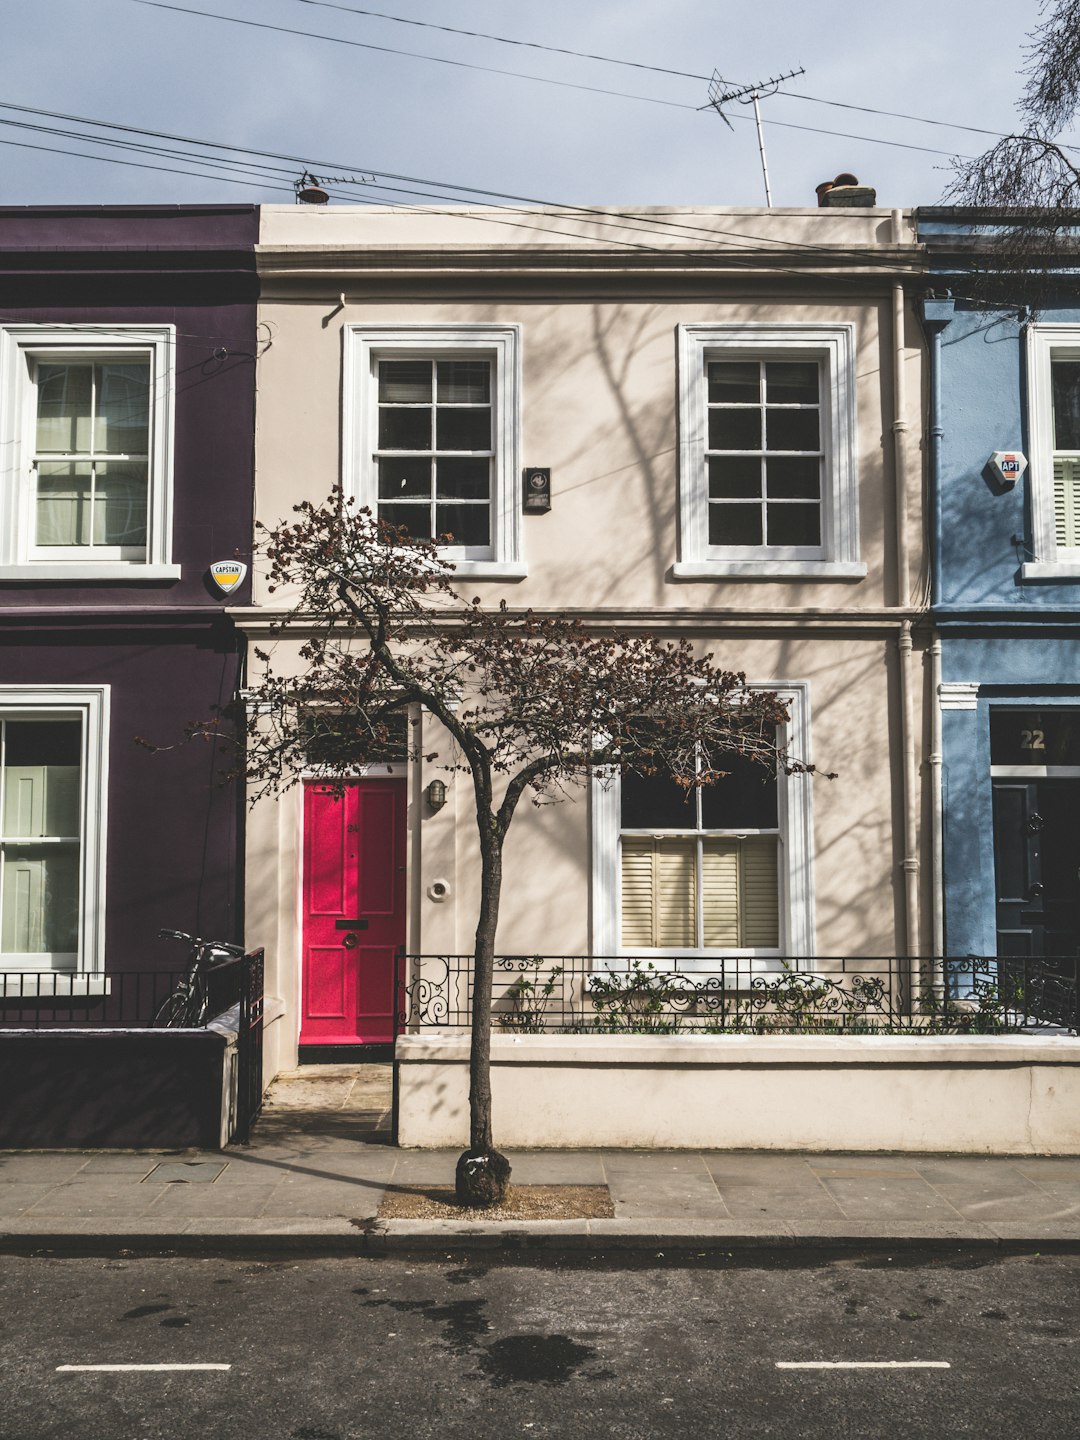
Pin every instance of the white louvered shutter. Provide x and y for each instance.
(659, 892)
(1067, 503)
(759, 898)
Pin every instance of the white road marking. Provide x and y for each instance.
(143, 1367)
(863, 1365)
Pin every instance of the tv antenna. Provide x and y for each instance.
(720, 95)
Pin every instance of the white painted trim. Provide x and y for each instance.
(768, 570)
(501, 343)
(19, 345)
(1041, 570)
(796, 867)
(833, 346)
(91, 704)
(1035, 772)
(87, 570)
(959, 694)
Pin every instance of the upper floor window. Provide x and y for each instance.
(86, 425)
(432, 437)
(767, 478)
(1054, 469)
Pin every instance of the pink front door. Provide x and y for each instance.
(354, 911)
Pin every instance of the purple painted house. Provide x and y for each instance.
(127, 361)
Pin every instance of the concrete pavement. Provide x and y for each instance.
(320, 1162)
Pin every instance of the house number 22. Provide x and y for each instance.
(1032, 740)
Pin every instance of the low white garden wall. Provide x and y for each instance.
(1013, 1095)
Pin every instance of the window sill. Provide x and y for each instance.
(769, 570)
(26, 985)
(1050, 570)
(50, 572)
(490, 569)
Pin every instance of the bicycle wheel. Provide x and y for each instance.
(173, 1012)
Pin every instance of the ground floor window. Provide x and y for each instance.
(722, 870)
(52, 816)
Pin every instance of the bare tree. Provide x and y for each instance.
(1032, 176)
(529, 705)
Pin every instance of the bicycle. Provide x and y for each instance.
(187, 1004)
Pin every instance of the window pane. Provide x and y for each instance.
(655, 802)
(463, 479)
(405, 382)
(792, 430)
(415, 518)
(463, 429)
(404, 429)
(466, 524)
(122, 424)
(794, 524)
(793, 478)
(464, 382)
(41, 779)
(403, 477)
(62, 513)
(735, 477)
(745, 799)
(40, 900)
(734, 429)
(1065, 375)
(120, 504)
(791, 384)
(65, 397)
(735, 524)
(733, 382)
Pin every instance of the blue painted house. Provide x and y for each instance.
(1005, 542)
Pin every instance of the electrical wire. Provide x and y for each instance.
(588, 55)
(606, 218)
(504, 40)
(411, 54)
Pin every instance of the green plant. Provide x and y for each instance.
(636, 1001)
(528, 999)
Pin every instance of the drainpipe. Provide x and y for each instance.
(903, 599)
(936, 315)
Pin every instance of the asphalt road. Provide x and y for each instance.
(452, 1347)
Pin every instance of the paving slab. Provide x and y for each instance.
(876, 1197)
(16, 1198)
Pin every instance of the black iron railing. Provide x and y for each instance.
(113, 999)
(573, 994)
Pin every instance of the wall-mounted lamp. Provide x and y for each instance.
(436, 794)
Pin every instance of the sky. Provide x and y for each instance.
(360, 113)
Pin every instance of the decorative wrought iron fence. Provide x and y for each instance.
(574, 994)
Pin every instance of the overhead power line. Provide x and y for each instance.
(520, 75)
(450, 193)
(411, 54)
(503, 39)
(641, 65)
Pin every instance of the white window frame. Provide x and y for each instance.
(365, 345)
(22, 347)
(1045, 343)
(795, 865)
(90, 704)
(832, 347)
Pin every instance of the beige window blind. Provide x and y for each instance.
(739, 906)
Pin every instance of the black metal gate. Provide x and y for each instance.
(249, 1047)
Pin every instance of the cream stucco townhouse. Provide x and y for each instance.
(728, 403)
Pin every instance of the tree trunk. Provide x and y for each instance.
(483, 1175)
